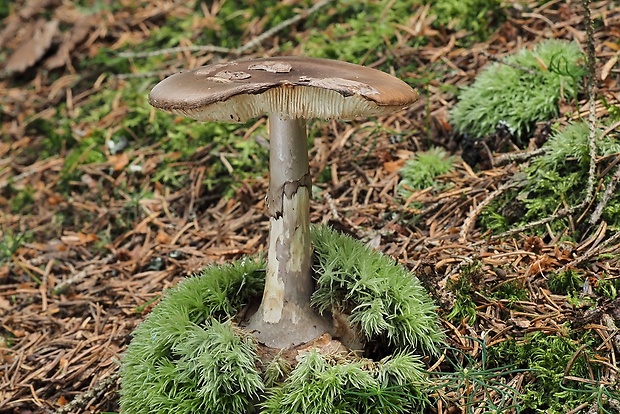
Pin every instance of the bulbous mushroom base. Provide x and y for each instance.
(298, 325)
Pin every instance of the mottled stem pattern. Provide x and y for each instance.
(284, 318)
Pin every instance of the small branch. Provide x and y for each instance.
(332, 206)
(570, 363)
(609, 192)
(517, 156)
(287, 23)
(82, 274)
(591, 93)
(612, 127)
(473, 214)
(590, 253)
(614, 333)
(157, 73)
(80, 401)
(224, 50)
(171, 50)
(559, 214)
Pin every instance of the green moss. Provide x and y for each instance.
(5, 8)
(387, 304)
(10, 242)
(520, 96)
(140, 126)
(420, 171)
(556, 180)
(476, 384)
(464, 307)
(480, 17)
(362, 32)
(607, 286)
(359, 32)
(89, 150)
(23, 200)
(612, 110)
(187, 356)
(566, 282)
(547, 360)
(322, 386)
(512, 291)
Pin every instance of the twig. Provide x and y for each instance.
(332, 206)
(612, 127)
(590, 253)
(288, 22)
(238, 51)
(157, 73)
(517, 156)
(609, 191)
(170, 50)
(578, 408)
(615, 404)
(82, 274)
(591, 93)
(559, 214)
(473, 214)
(83, 399)
(614, 333)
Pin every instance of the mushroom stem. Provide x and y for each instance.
(285, 318)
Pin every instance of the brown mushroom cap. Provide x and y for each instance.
(290, 87)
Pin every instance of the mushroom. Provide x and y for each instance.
(289, 90)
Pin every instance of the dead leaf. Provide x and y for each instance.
(4, 148)
(119, 161)
(5, 305)
(608, 66)
(393, 166)
(358, 220)
(534, 244)
(404, 154)
(541, 265)
(4, 271)
(33, 49)
(325, 345)
(12, 25)
(162, 238)
(521, 323)
(89, 181)
(62, 401)
(440, 124)
(35, 7)
(54, 199)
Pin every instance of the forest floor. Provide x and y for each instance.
(99, 216)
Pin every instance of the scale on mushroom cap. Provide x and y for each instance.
(289, 90)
